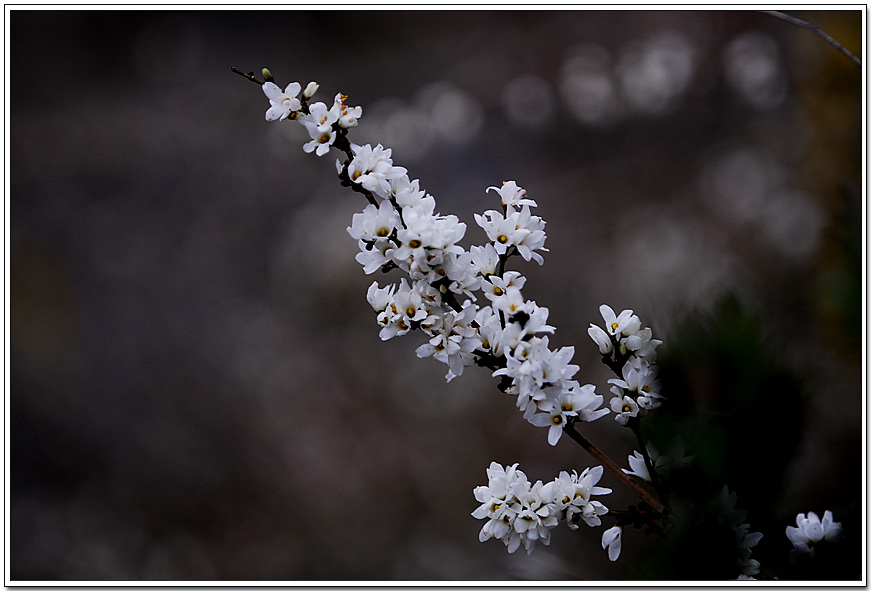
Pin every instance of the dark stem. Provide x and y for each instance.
(503, 258)
(816, 31)
(609, 464)
(249, 75)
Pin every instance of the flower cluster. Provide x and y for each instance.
(438, 295)
(401, 229)
(520, 512)
(811, 530)
(630, 351)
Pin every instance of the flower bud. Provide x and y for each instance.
(310, 90)
(601, 338)
(267, 75)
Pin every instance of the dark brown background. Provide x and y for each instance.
(198, 390)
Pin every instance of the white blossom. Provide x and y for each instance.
(522, 513)
(310, 90)
(810, 530)
(612, 540)
(625, 408)
(374, 223)
(512, 195)
(373, 168)
(345, 116)
(319, 123)
(601, 338)
(637, 466)
(283, 102)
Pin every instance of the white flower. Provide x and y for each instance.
(553, 417)
(319, 124)
(406, 192)
(310, 90)
(639, 379)
(512, 195)
(504, 340)
(518, 513)
(534, 237)
(283, 102)
(463, 274)
(625, 407)
(575, 494)
(495, 287)
(405, 309)
(536, 322)
(379, 298)
(811, 530)
(485, 259)
(637, 466)
(642, 343)
(583, 400)
(586, 402)
(535, 517)
(624, 324)
(454, 340)
(374, 223)
(510, 301)
(373, 168)
(346, 116)
(374, 256)
(612, 540)
(601, 338)
(501, 230)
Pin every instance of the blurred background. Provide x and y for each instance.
(198, 390)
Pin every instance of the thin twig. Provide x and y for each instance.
(608, 463)
(249, 75)
(816, 30)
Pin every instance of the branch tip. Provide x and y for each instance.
(250, 75)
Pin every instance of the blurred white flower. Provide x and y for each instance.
(812, 529)
(637, 466)
(612, 540)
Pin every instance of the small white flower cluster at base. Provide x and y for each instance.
(519, 512)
